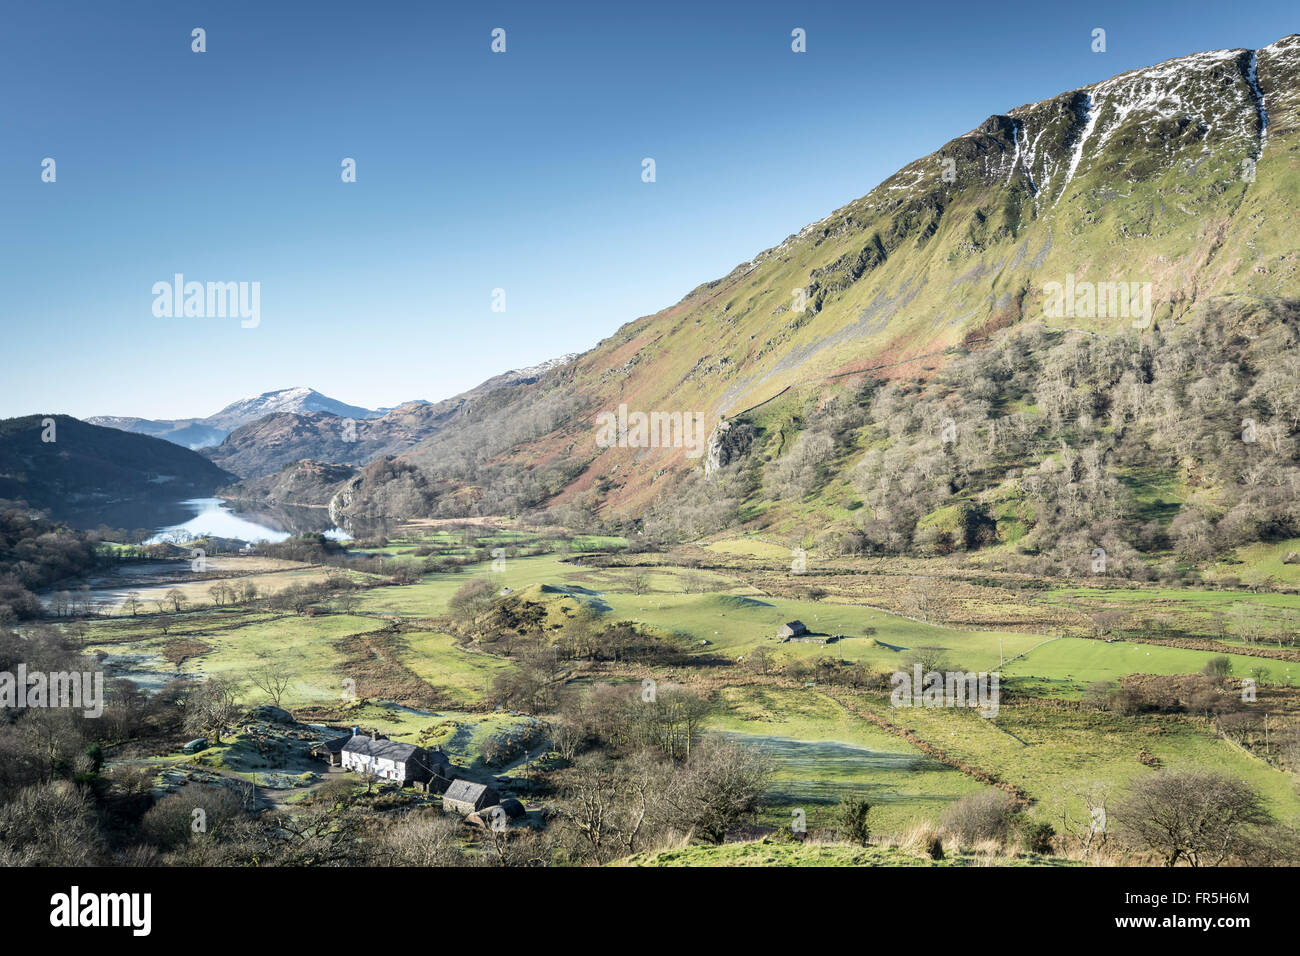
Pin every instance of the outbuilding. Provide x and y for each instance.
(466, 797)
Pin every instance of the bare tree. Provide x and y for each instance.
(272, 681)
(131, 603)
(176, 598)
(213, 705)
(424, 839)
(723, 786)
(1193, 816)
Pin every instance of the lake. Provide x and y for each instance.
(214, 517)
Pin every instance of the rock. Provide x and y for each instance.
(727, 442)
(272, 714)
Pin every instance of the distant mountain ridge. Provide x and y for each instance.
(195, 433)
(269, 442)
(300, 400)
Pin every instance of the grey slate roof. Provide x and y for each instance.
(388, 749)
(464, 790)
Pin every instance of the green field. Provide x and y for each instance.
(824, 753)
(1077, 662)
(774, 853)
(821, 749)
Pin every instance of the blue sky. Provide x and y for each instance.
(475, 170)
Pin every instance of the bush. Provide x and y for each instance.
(1038, 836)
(853, 820)
(988, 815)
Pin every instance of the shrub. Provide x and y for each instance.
(987, 815)
(853, 820)
(1038, 836)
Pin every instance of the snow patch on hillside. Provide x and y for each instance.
(1091, 112)
(1252, 77)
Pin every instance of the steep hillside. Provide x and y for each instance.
(85, 466)
(1181, 180)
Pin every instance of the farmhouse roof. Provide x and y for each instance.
(387, 749)
(335, 745)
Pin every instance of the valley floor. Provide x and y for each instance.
(389, 657)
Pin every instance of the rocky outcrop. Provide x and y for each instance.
(728, 441)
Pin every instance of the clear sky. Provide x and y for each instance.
(475, 170)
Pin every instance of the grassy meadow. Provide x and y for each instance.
(417, 680)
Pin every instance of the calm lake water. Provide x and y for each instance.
(215, 517)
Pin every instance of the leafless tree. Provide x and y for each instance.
(273, 681)
(1197, 817)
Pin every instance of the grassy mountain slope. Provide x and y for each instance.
(1185, 175)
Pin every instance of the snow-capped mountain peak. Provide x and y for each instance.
(298, 400)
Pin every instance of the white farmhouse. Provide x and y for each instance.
(390, 760)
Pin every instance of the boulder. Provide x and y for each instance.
(271, 714)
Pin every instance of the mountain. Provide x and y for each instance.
(276, 439)
(71, 467)
(1181, 180)
(268, 444)
(300, 401)
(205, 432)
(519, 376)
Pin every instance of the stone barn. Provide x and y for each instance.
(465, 797)
(791, 629)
